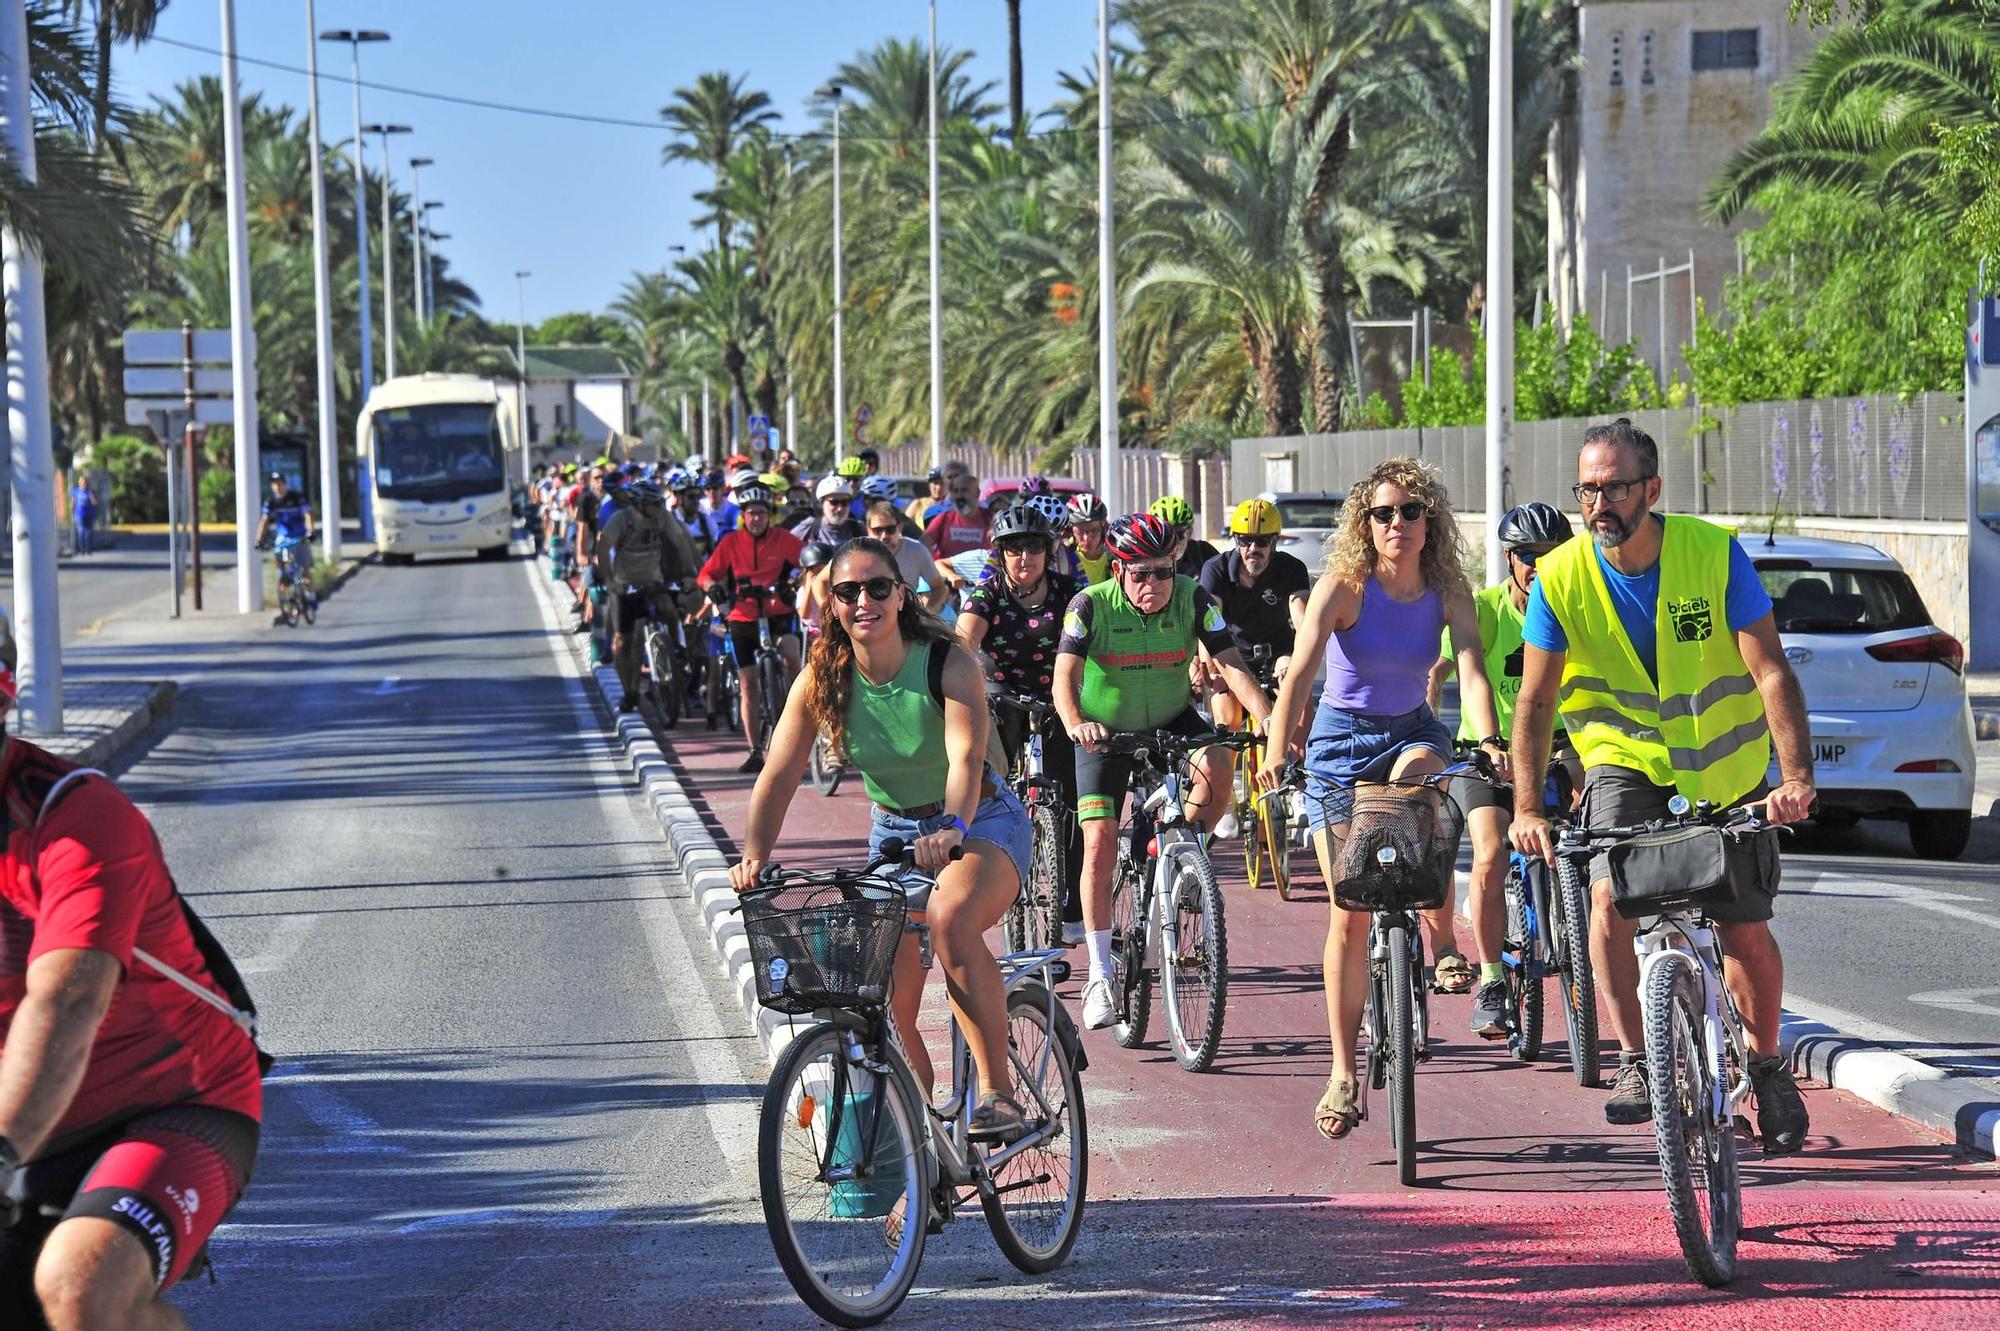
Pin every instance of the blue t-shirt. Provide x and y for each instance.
(1637, 598)
(288, 515)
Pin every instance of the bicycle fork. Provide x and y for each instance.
(1726, 1061)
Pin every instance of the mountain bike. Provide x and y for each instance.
(1267, 819)
(768, 663)
(1697, 1062)
(1393, 855)
(664, 649)
(1035, 918)
(856, 1166)
(294, 601)
(720, 686)
(1166, 906)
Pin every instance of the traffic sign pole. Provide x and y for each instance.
(191, 449)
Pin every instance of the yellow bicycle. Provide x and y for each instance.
(1265, 817)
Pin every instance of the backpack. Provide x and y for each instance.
(238, 1006)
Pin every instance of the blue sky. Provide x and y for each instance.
(581, 206)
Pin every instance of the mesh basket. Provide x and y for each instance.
(1418, 825)
(814, 948)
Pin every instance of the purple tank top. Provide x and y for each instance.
(1382, 665)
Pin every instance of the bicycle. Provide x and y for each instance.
(768, 663)
(856, 1166)
(1266, 818)
(825, 768)
(1697, 1061)
(720, 687)
(294, 601)
(1166, 906)
(664, 649)
(1393, 856)
(1035, 918)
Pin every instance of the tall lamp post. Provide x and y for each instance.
(1500, 274)
(329, 448)
(1107, 282)
(937, 296)
(430, 265)
(521, 276)
(417, 206)
(388, 250)
(354, 38)
(242, 332)
(832, 92)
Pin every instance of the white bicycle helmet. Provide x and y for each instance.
(878, 487)
(830, 486)
(1051, 507)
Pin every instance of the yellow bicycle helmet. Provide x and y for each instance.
(851, 467)
(1173, 510)
(1255, 517)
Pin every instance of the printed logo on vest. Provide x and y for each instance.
(1692, 619)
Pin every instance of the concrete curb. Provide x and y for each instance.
(109, 745)
(1964, 1109)
(702, 862)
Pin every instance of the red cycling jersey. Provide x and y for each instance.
(89, 873)
(760, 561)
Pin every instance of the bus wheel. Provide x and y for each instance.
(493, 552)
(388, 558)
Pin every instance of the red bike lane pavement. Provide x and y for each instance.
(1529, 1210)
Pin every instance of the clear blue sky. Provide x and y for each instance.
(581, 206)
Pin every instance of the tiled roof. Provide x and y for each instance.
(571, 362)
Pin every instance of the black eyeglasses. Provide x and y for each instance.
(878, 589)
(1613, 493)
(884, 533)
(1151, 574)
(1409, 510)
(1254, 542)
(1529, 557)
(1031, 545)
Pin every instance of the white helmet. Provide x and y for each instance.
(831, 486)
(1052, 507)
(878, 487)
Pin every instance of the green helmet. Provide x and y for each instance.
(1173, 510)
(851, 467)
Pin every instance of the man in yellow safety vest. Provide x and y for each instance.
(1659, 639)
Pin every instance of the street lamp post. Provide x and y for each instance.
(430, 263)
(832, 91)
(354, 38)
(1107, 282)
(417, 206)
(242, 332)
(329, 448)
(388, 250)
(521, 276)
(1500, 273)
(937, 297)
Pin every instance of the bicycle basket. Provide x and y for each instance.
(814, 948)
(1692, 868)
(1397, 849)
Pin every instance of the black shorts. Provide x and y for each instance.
(743, 636)
(626, 609)
(1103, 778)
(1619, 796)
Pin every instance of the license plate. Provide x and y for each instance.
(1829, 753)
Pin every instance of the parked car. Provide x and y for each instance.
(1310, 516)
(1884, 687)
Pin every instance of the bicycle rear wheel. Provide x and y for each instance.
(1035, 1206)
(770, 699)
(1256, 864)
(1128, 956)
(1697, 1153)
(1401, 1055)
(1572, 906)
(1194, 973)
(850, 1245)
(1524, 980)
(825, 769)
(1275, 827)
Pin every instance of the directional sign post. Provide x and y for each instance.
(167, 425)
(180, 375)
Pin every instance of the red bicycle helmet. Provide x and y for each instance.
(1140, 536)
(1086, 507)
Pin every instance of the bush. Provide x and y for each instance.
(218, 495)
(138, 472)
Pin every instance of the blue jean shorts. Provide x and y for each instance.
(999, 819)
(1346, 748)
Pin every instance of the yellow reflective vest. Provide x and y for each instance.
(1701, 728)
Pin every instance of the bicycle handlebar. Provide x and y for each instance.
(1741, 817)
(1036, 708)
(1166, 742)
(896, 854)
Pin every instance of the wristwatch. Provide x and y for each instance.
(1497, 741)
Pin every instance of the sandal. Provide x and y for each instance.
(1452, 973)
(1336, 1113)
(998, 1120)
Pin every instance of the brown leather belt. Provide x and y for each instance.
(918, 812)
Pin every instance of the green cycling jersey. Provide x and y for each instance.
(1135, 666)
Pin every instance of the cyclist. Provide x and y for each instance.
(1658, 639)
(927, 506)
(1122, 665)
(643, 556)
(720, 508)
(756, 554)
(962, 527)
(835, 523)
(288, 520)
(1088, 559)
(919, 571)
(878, 490)
(908, 709)
(1527, 533)
(1392, 585)
(1190, 556)
(815, 566)
(134, 1103)
(1015, 622)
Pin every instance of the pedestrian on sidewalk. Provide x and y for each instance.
(83, 507)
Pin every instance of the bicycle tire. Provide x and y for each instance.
(770, 688)
(1401, 1063)
(1045, 1246)
(1194, 971)
(1697, 1154)
(1244, 805)
(309, 607)
(1132, 987)
(1276, 827)
(1524, 982)
(1579, 982)
(288, 607)
(1046, 875)
(792, 1135)
(823, 770)
(664, 664)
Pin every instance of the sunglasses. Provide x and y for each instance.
(1030, 546)
(884, 533)
(1165, 574)
(1528, 557)
(1254, 542)
(878, 589)
(1409, 510)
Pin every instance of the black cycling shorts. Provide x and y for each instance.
(1103, 778)
(743, 637)
(630, 607)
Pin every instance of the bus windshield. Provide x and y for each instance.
(438, 452)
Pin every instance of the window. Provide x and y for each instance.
(1617, 59)
(1646, 57)
(534, 426)
(559, 419)
(1735, 48)
(1806, 599)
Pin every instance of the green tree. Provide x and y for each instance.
(709, 120)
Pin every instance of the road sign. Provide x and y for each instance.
(163, 346)
(207, 410)
(760, 430)
(862, 415)
(166, 381)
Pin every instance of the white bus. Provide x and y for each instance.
(436, 453)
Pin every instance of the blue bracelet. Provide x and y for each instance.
(959, 823)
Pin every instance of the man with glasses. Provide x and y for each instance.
(920, 572)
(835, 523)
(962, 527)
(1122, 665)
(756, 554)
(1658, 637)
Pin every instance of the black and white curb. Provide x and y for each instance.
(1964, 1109)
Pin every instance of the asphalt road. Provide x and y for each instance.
(127, 580)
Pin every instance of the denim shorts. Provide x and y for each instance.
(1346, 748)
(999, 819)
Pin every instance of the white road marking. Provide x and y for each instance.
(1833, 883)
(281, 947)
(1893, 1038)
(1959, 1000)
(391, 684)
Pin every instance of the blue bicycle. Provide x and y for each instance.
(295, 600)
(1548, 935)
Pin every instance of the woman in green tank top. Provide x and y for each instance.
(919, 735)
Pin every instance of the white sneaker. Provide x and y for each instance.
(1227, 826)
(1098, 1009)
(1072, 932)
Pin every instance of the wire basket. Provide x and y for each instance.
(815, 948)
(1396, 849)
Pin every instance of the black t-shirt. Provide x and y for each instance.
(1194, 559)
(1021, 642)
(1260, 613)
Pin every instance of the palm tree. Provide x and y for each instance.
(1016, 111)
(112, 21)
(448, 345)
(179, 165)
(722, 308)
(709, 120)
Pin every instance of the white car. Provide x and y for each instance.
(1309, 517)
(1884, 686)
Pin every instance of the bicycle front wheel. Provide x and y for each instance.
(309, 607)
(1401, 1055)
(825, 771)
(844, 1178)
(1044, 895)
(1524, 980)
(770, 699)
(1195, 973)
(1035, 1204)
(1129, 980)
(664, 665)
(1571, 903)
(1697, 1151)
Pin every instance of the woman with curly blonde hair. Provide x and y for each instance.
(1392, 583)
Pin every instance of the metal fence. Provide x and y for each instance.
(1855, 457)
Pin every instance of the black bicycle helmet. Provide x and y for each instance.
(815, 555)
(1534, 524)
(1138, 536)
(1021, 520)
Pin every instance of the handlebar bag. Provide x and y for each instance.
(1702, 868)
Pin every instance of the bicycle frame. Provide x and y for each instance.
(1722, 1024)
(1160, 803)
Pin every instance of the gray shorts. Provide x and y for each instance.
(1619, 796)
